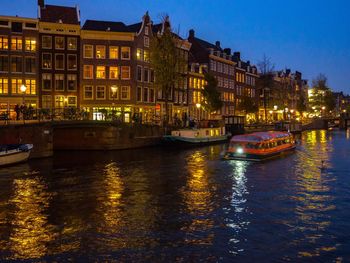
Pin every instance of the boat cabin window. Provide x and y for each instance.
(251, 146)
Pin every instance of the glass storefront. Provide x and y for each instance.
(121, 114)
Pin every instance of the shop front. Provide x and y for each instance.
(122, 114)
(8, 106)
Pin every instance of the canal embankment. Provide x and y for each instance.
(52, 136)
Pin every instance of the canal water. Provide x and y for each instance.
(162, 205)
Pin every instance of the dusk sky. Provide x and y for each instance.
(310, 36)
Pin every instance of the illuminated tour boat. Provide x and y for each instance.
(260, 145)
(14, 153)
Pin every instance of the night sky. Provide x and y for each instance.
(311, 36)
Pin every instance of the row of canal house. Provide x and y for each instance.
(282, 100)
(104, 67)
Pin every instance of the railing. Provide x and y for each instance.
(28, 114)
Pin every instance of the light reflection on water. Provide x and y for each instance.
(198, 198)
(238, 203)
(31, 231)
(161, 205)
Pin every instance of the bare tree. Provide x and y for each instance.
(265, 82)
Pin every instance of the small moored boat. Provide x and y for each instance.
(196, 136)
(14, 153)
(260, 145)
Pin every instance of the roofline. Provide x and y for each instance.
(19, 18)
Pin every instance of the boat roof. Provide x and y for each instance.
(260, 136)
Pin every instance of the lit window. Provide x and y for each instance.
(4, 44)
(100, 72)
(72, 101)
(16, 86)
(72, 43)
(31, 86)
(59, 61)
(47, 61)
(16, 43)
(4, 86)
(59, 102)
(59, 82)
(100, 52)
(100, 93)
(88, 51)
(113, 73)
(88, 72)
(72, 82)
(72, 62)
(113, 52)
(139, 54)
(30, 44)
(125, 53)
(59, 42)
(146, 55)
(46, 42)
(88, 92)
(47, 84)
(125, 93)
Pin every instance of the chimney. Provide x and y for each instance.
(191, 34)
(41, 3)
(227, 51)
(237, 55)
(217, 44)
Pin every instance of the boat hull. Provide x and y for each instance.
(14, 156)
(258, 157)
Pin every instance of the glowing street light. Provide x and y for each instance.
(23, 89)
(198, 105)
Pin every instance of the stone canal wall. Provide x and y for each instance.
(39, 134)
(104, 136)
(47, 137)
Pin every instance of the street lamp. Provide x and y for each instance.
(23, 89)
(114, 90)
(198, 105)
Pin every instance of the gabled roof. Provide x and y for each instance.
(135, 27)
(59, 14)
(206, 44)
(105, 26)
